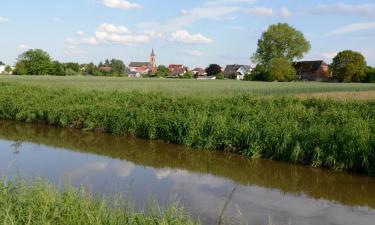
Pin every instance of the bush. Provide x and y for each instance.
(220, 76)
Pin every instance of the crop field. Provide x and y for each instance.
(201, 88)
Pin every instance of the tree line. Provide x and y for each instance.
(39, 62)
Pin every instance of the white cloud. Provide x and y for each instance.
(111, 28)
(73, 52)
(111, 34)
(346, 9)
(354, 27)
(23, 47)
(3, 19)
(328, 55)
(285, 12)
(259, 11)
(182, 36)
(80, 33)
(121, 4)
(196, 53)
(227, 2)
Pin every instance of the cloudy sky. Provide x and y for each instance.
(193, 32)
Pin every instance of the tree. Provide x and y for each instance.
(72, 68)
(259, 73)
(281, 40)
(349, 66)
(118, 67)
(162, 71)
(213, 70)
(370, 74)
(220, 76)
(281, 69)
(8, 69)
(34, 62)
(57, 69)
(187, 75)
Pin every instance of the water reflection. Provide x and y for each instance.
(214, 185)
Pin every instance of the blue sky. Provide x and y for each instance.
(193, 32)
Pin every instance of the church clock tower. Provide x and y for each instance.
(153, 59)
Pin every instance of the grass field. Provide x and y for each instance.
(224, 115)
(210, 89)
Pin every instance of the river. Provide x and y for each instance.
(213, 185)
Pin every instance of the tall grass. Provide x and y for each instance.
(318, 132)
(42, 203)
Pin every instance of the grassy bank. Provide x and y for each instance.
(42, 203)
(318, 132)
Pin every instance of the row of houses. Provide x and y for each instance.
(306, 70)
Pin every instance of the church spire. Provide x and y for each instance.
(153, 59)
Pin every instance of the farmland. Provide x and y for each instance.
(203, 89)
(318, 132)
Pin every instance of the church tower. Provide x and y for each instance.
(153, 59)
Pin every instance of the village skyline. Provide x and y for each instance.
(194, 33)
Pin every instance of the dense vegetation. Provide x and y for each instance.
(325, 133)
(42, 203)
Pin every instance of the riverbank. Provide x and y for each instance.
(318, 132)
(40, 202)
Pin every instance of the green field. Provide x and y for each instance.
(207, 115)
(210, 88)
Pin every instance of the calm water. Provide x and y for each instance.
(204, 181)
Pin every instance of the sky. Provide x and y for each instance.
(190, 32)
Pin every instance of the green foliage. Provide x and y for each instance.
(326, 133)
(72, 68)
(370, 74)
(280, 69)
(162, 71)
(233, 76)
(213, 70)
(349, 66)
(42, 203)
(187, 75)
(220, 76)
(33, 62)
(281, 41)
(8, 69)
(57, 69)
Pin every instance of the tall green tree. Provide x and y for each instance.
(33, 62)
(118, 67)
(213, 70)
(280, 69)
(57, 69)
(281, 41)
(162, 71)
(349, 66)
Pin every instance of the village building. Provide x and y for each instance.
(236, 71)
(177, 70)
(137, 69)
(312, 70)
(199, 71)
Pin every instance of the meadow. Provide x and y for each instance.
(318, 132)
(202, 88)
